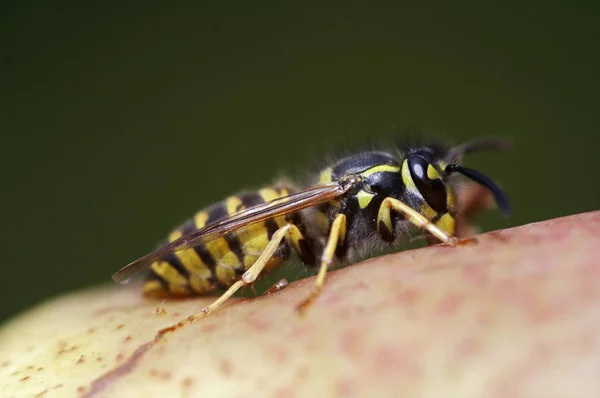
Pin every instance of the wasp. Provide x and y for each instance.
(362, 201)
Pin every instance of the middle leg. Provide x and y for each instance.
(337, 235)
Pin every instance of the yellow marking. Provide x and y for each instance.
(233, 204)
(190, 259)
(432, 173)
(380, 169)
(226, 275)
(446, 224)
(268, 194)
(384, 216)
(427, 211)
(407, 179)
(253, 240)
(174, 236)
(200, 219)
(281, 221)
(218, 248)
(153, 287)
(442, 165)
(178, 290)
(200, 285)
(168, 273)
(295, 236)
(224, 258)
(336, 235)
(199, 272)
(326, 176)
(364, 198)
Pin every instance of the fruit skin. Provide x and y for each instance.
(514, 315)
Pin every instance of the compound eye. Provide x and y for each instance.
(428, 182)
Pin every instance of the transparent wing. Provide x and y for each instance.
(275, 208)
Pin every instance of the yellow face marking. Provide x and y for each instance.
(446, 224)
(407, 179)
(326, 176)
(364, 198)
(380, 169)
(233, 204)
(432, 173)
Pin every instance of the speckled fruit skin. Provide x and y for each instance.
(515, 315)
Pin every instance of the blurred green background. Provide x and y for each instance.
(119, 122)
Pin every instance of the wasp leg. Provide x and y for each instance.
(251, 287)
(250, 275)
(337, 235)
(413, 216)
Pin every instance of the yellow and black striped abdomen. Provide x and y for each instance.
(220, 262)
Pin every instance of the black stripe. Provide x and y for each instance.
(359, 163)
(200, 250)
(216, 282)
(236, 247)
(153, 276)
(219, 212)
(216, 213)
(307, 245)
(250, 199)
(176, 263)
(385, 233)
(272, 227)
(437, 217)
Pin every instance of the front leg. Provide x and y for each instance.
(386, 229)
